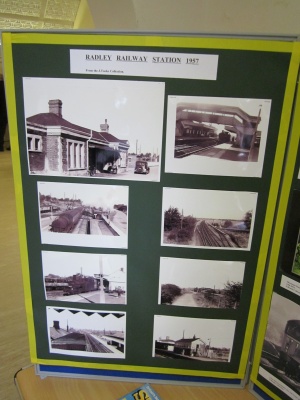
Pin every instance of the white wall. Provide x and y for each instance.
(266, 17)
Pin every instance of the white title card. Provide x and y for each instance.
(152, 64)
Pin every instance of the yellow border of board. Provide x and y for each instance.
(276, 241)
(9, 38)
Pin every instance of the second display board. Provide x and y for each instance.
(148, 169)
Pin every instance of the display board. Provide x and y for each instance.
(276, 370)
(146, 170)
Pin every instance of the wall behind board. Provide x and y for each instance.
(275, 17)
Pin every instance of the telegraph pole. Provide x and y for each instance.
(102, 294)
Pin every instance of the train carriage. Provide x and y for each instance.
(66, 221)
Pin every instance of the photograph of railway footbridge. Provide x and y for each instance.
(214, 130)
(216, 136)
(86, 333)
(208, 218)
(83, 214)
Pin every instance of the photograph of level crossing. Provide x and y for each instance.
(86, 333)
(216, 135)
(83, 215)
(208, 218)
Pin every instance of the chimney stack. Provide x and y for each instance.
(56, 324)
(104, 127)
(55, 107)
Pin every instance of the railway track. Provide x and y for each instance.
(94, 345)
(182, 151)
(208, 235)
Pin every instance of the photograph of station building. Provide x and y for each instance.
(59, 147)
(193, 339)
(190, 347)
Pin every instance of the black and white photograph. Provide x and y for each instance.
(200, 283)
(95, 128)
(85, 277)
(280, 359)
(208, 218)
(291, 250)
(216, 135)
(296, 261)
(193, 339)
(86, 333)
(83, 215)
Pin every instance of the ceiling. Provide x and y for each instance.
(38, 14)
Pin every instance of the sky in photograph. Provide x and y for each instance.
(91, 195)
(209, 203)
(67, 264)
(188, 273)
(219, 332)
(134, 110)
(80, 320)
